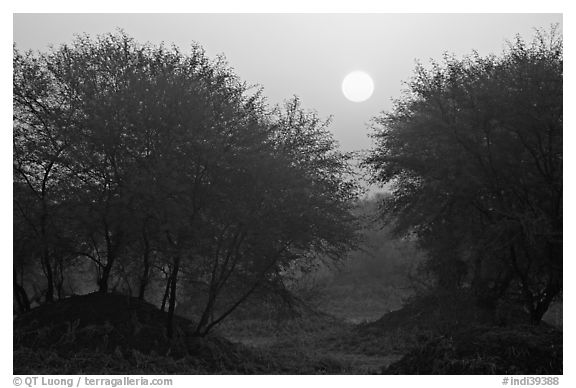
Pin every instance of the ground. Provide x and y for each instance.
(95, 334)
(115, 334)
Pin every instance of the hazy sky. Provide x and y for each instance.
(306, 54)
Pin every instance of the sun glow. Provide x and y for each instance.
(358, 86)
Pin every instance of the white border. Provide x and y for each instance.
(299, 6)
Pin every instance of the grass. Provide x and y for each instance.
(115, 334)
(521, 349)
(358, 302)
(316, 339)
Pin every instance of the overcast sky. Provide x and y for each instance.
(306, 54)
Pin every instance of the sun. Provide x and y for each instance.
(358, 86)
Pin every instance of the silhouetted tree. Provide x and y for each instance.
(167, 160)
(41, 121)
(289, 200)
(474, 153)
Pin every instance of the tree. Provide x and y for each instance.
(41, 121)
(287, 201)
(170, 163)
(474, 153)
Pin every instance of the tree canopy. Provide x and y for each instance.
(474, 155)
(141, 157)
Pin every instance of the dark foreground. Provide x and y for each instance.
(114, 334)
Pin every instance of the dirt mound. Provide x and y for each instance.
(445, 312)
(119, 333)
(487, 350)
(452, 334)
(99, 322)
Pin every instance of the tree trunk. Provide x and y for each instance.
(165, 297)
(49, 277)
(113, 245)
(172, 301)
(553, 288)
(112, 248)
(208, 313)
(22, 299)
(146, 271)
(45, 258)
(538, 301)
(103, 281)
(166, 292)
(59, 278)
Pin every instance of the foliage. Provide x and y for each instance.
(131, 156)
(474, 155)
(486, 350)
